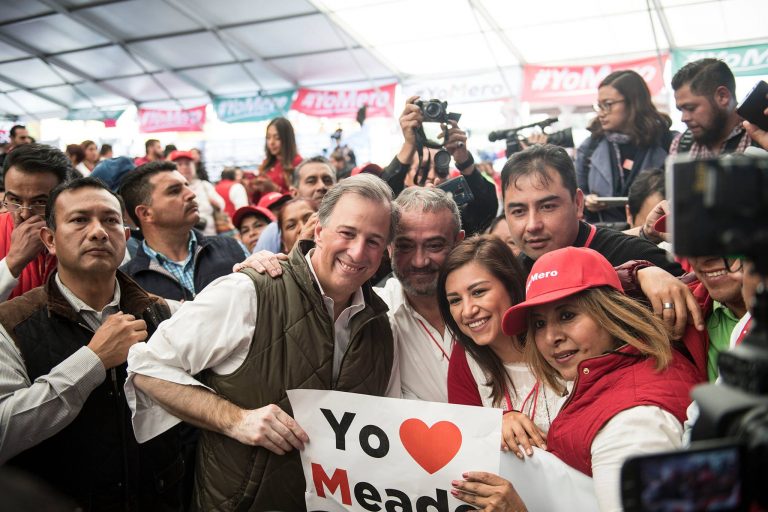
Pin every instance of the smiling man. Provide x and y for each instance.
(248, 338)
(63, 349)
(174, 261)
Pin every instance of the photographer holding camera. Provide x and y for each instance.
(406, 168)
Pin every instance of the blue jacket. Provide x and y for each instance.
(214, 257)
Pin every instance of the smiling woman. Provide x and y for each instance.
(480, 281)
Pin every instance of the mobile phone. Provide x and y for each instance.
(612, 201)
(707, 477)
(752, 108)
(458, 189)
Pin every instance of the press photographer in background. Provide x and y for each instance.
(628, 135)
(406, 167)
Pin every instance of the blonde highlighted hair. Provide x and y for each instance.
(626, 320)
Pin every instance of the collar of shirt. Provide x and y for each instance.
(721, 313)
(91, 316)
(162, 259)
(358, 300)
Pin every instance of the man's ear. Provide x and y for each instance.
(143, 213)
(460, 237)
(47, 236)
(318, 230)
(723, 96)
(630, 220)
(293, 191)
(579, 201)
(127, 233)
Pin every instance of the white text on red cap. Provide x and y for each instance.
(539, 275)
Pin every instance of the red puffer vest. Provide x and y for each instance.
(609, 384)
(222, 188)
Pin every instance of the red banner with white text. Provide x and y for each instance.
(185, 120)
(346, 103)
(577, 85)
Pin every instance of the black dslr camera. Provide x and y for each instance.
(433, 111)
(719, 207)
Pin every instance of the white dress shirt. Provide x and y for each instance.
(424, 352)
(214, 332)
(7, 281)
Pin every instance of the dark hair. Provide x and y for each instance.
(535, 160)
(76, 151)
(169, 148)
(647, 183)
(136, 189)
(16, 128)
(86, 143)
(288, 150)
(496, 256)
(645, 125)
(76, 184)
(704, 76)
(319, 159)
(228, 174)
(105, 148)
(37, 158)
(148, 143)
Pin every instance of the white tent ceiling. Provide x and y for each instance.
(57, 55)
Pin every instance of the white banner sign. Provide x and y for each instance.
(371, 453)
(468, 89)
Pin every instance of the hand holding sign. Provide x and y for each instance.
(489, 491)
(271, 428)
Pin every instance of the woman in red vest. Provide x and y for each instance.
(628, 389)
(282, 155)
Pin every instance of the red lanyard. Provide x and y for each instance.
(439, 346)
(534, 392)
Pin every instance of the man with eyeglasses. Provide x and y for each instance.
(31, 171)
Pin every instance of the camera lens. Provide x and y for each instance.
(442, 163)
(432, 110)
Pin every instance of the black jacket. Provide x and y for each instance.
(475, 216)
(214, 257)
(95, 459)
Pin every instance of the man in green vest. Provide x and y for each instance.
(248, 338)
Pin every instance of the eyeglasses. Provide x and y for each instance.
(35, 209)
(605, 106)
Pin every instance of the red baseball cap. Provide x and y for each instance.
(557, 275)
(178, 155)
(273, 199)
(243, 212)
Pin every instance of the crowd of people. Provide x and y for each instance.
(151, 322)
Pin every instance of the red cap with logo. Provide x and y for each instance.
(557, 275)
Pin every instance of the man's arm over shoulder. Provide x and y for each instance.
(212, 332)
(618, 248)
(31, 412)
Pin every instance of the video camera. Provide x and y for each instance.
(719, 207)
(433, 111)
(562, 138)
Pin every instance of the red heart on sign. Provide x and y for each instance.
(431, 447)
